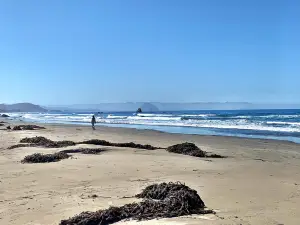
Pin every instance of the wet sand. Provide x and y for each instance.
(259, 182)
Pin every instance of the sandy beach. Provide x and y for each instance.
(259, 182)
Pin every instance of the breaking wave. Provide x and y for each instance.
(283, 123)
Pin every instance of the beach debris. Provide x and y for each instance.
(192, 150)
(61, 144)
(28, 127)
(4, 115)
(94, 151)
(183, 148)
(17, 128)
(36, 140)
(164, 190)
(107, 143)
(215, 156)
(133, 145)
(21, 146)
(161, 201)
(96, 142)
(8, 127)
(45, 142)
(263, 160)
(187, 149)
(45, 158)
(93, 196)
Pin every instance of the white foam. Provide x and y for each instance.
(56, 118)
(199, 115)
(153, 115)
(251, 127)
(14, 115)
(85, 114)
(116, 117)
(153, 118)
(237, 124)
(165, 120)
(283, 123)
(280, 116)
(30, 116)
(241, 117)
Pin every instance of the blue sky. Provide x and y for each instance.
(74, 51)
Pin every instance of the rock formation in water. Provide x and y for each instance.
(148, 107)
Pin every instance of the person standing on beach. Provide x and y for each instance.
(93, 122)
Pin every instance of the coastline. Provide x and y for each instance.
(259, 182)
(109, 127)
(264, 124)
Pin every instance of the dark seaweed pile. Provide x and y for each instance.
(107, 143)
(183, 148)
(192, 150)
(162, 201)
(21, 146)
(45, 158)
(28, 127)
(84, 150)
(45, 142)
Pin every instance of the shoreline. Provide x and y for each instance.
(237, 138)
(277, 125)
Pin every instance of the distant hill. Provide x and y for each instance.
(145, 106)
(107, 107)
(158, 106)
(21, 107)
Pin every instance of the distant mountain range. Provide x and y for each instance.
(146, 107)
(157, 106)
(21, 107)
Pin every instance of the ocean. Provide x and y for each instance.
(283, 124)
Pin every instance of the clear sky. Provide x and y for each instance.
(74, 51)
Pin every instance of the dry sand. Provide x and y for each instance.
(258, 184)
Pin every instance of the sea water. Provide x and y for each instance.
(281, 124)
